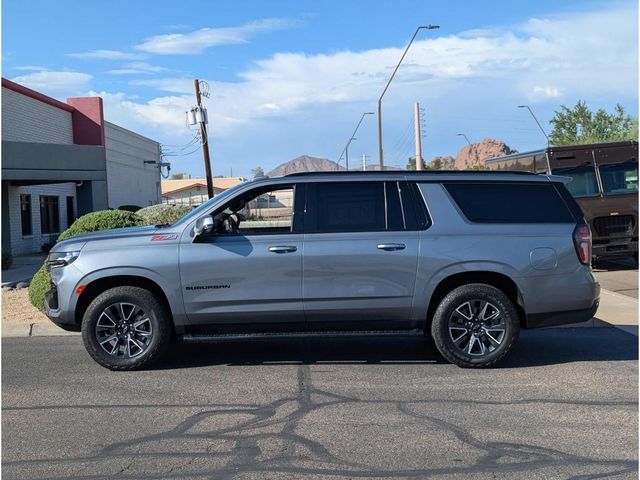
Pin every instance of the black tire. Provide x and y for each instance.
(157, 322)
(449, 308)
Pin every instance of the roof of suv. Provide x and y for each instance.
(429, 175)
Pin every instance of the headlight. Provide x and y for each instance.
(61, 259)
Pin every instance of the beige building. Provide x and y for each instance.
(193, 191)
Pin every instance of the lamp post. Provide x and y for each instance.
(539, 126)
(345, 151)
(393, 74)
(465, 137)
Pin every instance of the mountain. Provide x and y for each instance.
(477, 153)
(305, 163)
(472, 156)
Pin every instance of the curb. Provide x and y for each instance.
(35, 330)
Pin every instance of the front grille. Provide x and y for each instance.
(614, 225)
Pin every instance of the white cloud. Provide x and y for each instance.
(137, 68)
(196, 42)
(470, 82)
(56, 83)
(548, 91)
(29, 68)
(105, 55)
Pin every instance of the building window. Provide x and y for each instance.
(25, 214)
(71, 216)
(49, 214)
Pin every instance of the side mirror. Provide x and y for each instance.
(204, 224)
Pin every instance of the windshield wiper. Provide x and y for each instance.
(162, 225)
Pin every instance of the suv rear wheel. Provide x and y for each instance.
(126, 328)
(475, 325)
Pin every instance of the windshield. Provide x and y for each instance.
(583, 180)
(619, 178)
(196, 212)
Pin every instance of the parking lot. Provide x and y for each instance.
(565, 405)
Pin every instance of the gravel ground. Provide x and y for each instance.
(17, 309)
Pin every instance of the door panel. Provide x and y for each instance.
(237, 279)
(347, 277)
(249, 271)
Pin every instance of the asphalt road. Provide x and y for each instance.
(565, 405)
(620, 276)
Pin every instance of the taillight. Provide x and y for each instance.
(582, 241)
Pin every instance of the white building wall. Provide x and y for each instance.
(21, 245)
(25, 119)
(129, 180)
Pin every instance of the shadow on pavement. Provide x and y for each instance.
(535, 348)
(615, 265)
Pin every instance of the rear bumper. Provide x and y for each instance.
(550, 319)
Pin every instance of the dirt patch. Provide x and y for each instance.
(17, 309)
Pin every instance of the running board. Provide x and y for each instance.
(234, 337)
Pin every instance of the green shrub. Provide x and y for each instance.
(7, 260)
(91, 222)
(129, 208)
(102, 220)
(40, 284)
(160, 214)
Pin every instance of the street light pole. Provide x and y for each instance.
(539, 126)
(393, 74)
(345, 151)
(465, 137)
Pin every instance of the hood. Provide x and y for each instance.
(78, 241)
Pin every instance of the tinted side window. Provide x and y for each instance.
(345, 207)
(510, 202)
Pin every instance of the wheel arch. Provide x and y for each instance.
(102, 284)
(498, 280)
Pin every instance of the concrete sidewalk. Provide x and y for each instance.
(23, 269)
(618, 310)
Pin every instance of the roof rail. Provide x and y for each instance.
(412, 172)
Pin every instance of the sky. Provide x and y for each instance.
(288, 78)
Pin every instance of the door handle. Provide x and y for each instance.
(283, 249)
(390, 247)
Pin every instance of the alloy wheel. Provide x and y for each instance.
(124, 330)
(477, 328)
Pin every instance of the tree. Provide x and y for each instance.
(180, 176)
(578, 125)
(257, 172)
(411, 164)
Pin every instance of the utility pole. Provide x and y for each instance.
(364, 162)
(205, 142)
(418, 137)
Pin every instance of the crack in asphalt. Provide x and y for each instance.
(276, 423)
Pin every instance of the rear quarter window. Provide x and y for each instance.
(493, 202)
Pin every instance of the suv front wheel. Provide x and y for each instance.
(126, 328)
(475, 325)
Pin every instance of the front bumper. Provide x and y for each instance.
(614, 247)
(53, 311)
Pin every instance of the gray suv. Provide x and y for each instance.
(468, 258)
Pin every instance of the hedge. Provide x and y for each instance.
(129, 208)
(161, 214)
(91, 222)
(102, 220)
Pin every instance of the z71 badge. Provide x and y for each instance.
(163, 237)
